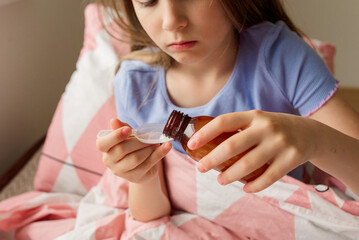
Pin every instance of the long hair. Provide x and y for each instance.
(241, 13)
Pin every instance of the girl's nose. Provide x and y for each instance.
(174, 18)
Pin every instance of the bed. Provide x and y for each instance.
(65, 192)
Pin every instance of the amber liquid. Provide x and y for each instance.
(193, 126)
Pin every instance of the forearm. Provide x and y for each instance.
(338, 155)
(149, 201)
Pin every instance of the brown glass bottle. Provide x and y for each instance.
(181, 128)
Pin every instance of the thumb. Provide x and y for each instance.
(116, 123)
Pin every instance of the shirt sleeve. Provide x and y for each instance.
(121, 94)
(298, 70)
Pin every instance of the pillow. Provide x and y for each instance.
(70, 161)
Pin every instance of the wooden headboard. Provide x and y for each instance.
(351, 95)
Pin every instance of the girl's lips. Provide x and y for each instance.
(182, 45)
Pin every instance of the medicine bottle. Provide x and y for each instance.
(181, 128)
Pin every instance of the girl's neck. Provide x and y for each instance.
(184, 81)
(213, 69)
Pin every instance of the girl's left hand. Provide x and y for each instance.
(283, 141)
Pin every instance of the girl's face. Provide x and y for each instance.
(190, 31)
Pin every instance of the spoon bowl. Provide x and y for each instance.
(150, 133)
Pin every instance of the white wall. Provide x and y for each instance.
(334, 21)
(40, 41)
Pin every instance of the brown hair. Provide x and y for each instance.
(242, 13)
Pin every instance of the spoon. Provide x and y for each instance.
(150, 133)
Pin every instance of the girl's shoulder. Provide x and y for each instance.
(136, 65)
(135, 78)
(276, 43)
(291, 65)
(267, 33)
(135, 72)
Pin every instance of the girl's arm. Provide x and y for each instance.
(328, 139)
(340, 156)
(150, 200)
(141, 165)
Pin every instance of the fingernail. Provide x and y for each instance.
(246, 189)
(220, 179)
(125, 131)
(166, 146)
(200, 167)
(192, 143)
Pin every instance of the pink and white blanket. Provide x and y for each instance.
(76, 200)
(202, 209)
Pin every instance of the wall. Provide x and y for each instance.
(40, 41)
(335, 22)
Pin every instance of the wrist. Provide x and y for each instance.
(147, 183)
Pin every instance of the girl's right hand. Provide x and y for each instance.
(129, 158)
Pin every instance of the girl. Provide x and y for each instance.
(243, 62)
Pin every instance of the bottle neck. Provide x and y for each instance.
(176, 125)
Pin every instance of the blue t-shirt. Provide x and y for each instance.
(275, 71)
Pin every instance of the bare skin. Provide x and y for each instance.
(326, 139)
(141, 165)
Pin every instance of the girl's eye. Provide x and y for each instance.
(147, 3)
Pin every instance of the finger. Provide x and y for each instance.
(126, 147)
(280, 166)
(162, 150)
(224, 123)
(250, 165)
(145, 167)
(105, 143)
(131, 161)
(116, 123)
(159, 153)
(130, 147)
(231, 147)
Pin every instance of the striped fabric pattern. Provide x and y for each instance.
(202, 209)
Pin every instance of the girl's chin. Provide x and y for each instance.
(185, 60)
